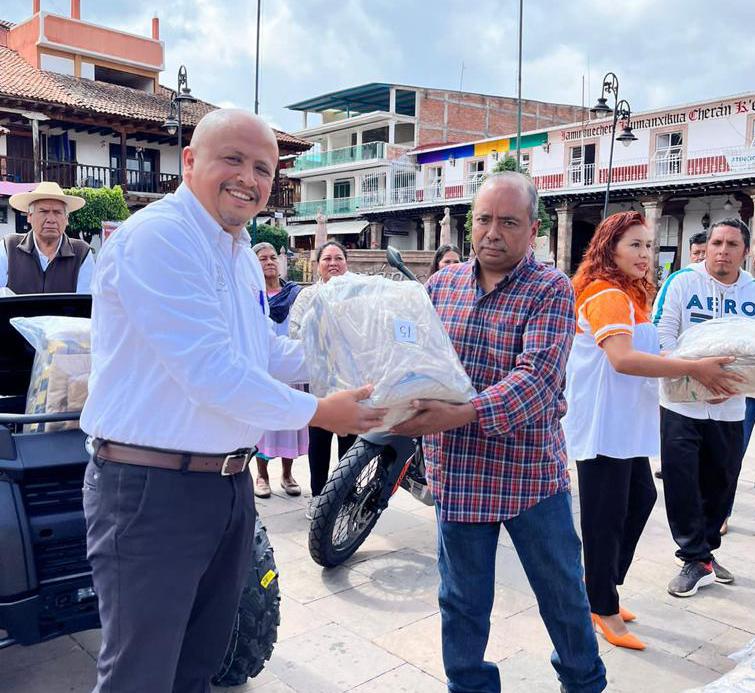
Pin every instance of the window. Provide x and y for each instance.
(668, 153)
(142, 165)
(668, 232)
(524, 162)
(581, 165)
(342, 204)
(475, 175)
(434, 182)
(371, 189)
(54, 63)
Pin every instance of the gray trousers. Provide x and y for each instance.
(170, 552)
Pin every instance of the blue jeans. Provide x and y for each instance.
(550, 552)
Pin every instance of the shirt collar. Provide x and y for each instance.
(57, 249)
(526, 261)
(205, 220)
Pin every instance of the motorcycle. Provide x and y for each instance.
(360, 487)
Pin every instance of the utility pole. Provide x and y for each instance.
(519, 94)
(257, 64)
(256, 98)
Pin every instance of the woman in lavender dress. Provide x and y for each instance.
(284, 444)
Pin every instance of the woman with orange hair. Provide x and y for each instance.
(612, 424)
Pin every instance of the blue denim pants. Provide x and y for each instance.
(550, 552)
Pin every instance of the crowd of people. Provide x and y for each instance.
(188, 323)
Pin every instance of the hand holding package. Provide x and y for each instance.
(362, 329)
(719, 337)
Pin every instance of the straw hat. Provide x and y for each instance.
(46, 191)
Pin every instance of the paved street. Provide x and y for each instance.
(373, 626)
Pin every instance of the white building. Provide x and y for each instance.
(363, 155)
(690, 166)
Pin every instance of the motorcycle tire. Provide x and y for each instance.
(348, 507)
(255, 630)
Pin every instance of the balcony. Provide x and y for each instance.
(728, 163)
(69, 174)
(345, 155)
(406, 196)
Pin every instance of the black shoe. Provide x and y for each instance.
(694, 575)
(658, 474)
(722, 575)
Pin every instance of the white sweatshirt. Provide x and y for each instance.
(691, 296)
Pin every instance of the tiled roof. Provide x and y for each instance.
(21, 80)
(4, 24)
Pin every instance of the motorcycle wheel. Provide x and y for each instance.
(348, 507)
(256, 627)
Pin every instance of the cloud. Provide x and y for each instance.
(665, 53)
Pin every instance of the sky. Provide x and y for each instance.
(665, 52)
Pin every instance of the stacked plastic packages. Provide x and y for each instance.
(60, 372)
(363, 329)
(720, 337)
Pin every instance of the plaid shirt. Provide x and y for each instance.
(514, 343)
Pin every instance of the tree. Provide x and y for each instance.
(102, 204)
(508, 163)
(267, 233)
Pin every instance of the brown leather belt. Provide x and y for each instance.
(232, 463)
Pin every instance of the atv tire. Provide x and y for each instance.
(255, 630)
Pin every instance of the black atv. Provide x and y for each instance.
(45, 578)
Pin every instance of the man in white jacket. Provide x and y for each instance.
(701, 442)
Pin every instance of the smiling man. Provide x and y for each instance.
(501, 459)
(186, 376)
(701, 442)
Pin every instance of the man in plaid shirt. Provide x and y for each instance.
(501, 458)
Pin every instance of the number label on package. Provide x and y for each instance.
(405, 331)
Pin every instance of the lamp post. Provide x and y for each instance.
(173, 121)
(621, 110)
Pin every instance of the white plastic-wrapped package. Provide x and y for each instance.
(60, 371)
(720, 337)
(362, 329)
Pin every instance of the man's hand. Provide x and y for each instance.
(342, 412)
(434, 416)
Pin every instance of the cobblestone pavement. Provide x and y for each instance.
(372, 625)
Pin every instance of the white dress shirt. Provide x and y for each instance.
(184, 355)
(86, 270)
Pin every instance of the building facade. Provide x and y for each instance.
(690, 166)
(82, 105)
(365, 148)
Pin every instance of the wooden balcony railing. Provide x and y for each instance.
(70, 174)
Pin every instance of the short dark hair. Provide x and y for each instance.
(440, 252)
(700, 238)
(735, 224)
(328, 244)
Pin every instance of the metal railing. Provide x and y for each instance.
(344, 155)
(70, 174)
(405, 195)
(670, 165)
(692, 164)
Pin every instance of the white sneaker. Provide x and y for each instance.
(309, 512)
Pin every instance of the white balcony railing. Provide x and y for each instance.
(692, 165)
(670, 165)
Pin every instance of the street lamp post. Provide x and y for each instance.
(621, 110)
(173, 122)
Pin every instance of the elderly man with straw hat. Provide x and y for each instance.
(45, 260)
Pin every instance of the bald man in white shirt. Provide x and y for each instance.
(186, 375)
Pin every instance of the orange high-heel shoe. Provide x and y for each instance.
(626, 615)
(627, 640)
